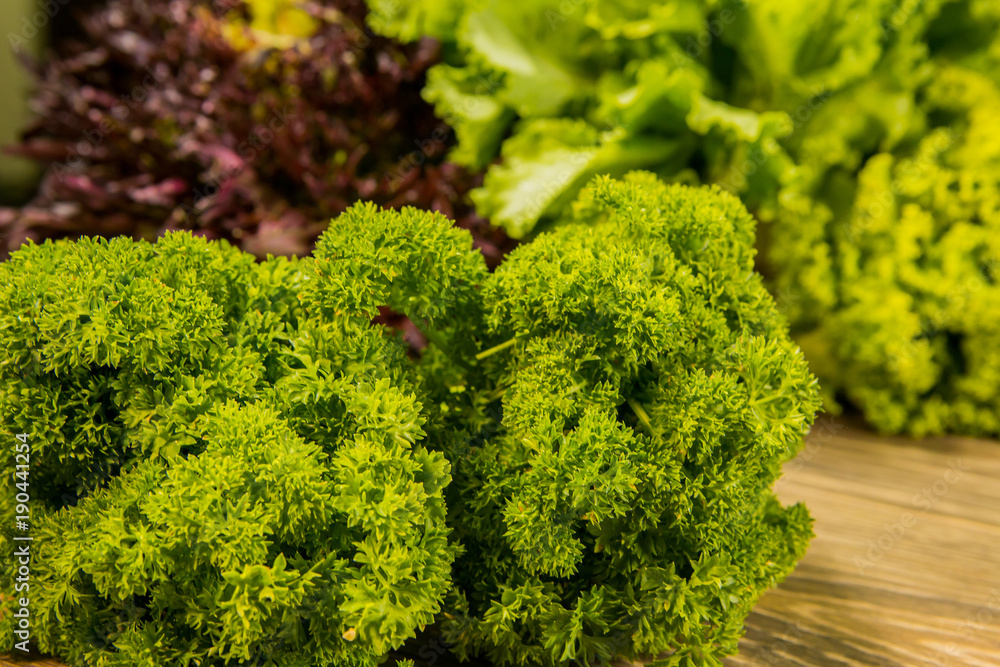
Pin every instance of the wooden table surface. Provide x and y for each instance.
(905, 567)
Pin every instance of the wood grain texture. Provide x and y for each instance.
(905, 567)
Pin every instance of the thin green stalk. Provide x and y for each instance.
(640, 413)
(496, 348)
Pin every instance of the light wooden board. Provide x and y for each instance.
(905, 567)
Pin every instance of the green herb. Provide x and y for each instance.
(268, 479)
(219, 476)
(629, 397)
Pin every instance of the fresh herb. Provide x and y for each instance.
(219, 477)
(234, 464)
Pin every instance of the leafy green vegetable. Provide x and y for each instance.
(549, 160)
(217, 475)
(258, 475)
(643, 393)
(254, 121)
(629, 396)
(713, 91)
(916, 266)
(598, 88)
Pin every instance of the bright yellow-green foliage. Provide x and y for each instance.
(232, 465)
(896, 298)
(883, 246)
(635, 398)
(280, 17)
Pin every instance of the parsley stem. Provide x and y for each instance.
(640, 413)
(496, 348)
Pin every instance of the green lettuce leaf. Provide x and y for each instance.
(547, 161)
(465, 101)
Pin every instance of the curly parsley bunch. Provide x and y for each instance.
(268, 479)
(217, 476)
(615, 400)
(645, 393)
